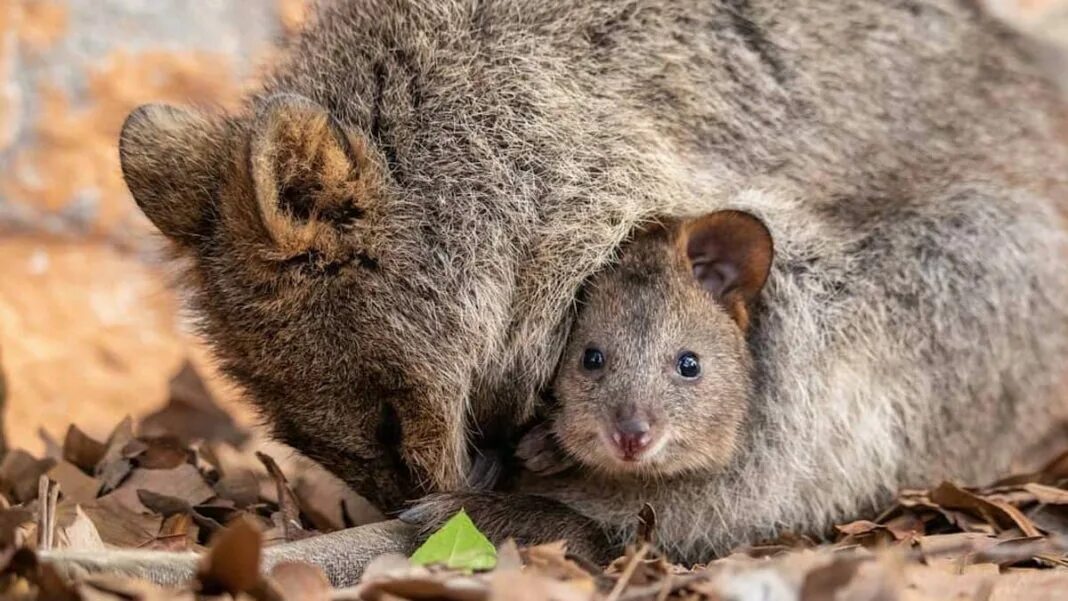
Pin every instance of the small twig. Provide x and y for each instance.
(47, 499)
(627, 574)
(53, 504)
(42, 513)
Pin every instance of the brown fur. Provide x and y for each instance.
(390, 315)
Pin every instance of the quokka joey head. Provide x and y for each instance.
(656, 376)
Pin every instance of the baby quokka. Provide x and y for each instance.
(656, 378)
(652, 393)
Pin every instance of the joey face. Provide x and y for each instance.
(318, 298)
(656, 376)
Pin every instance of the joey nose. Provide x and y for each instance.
(632, 437)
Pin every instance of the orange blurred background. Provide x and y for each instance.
(89, 331)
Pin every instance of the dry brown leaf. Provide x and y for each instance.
(551, 560)
(157, 453)
(119, 526)
(232, 564)
(213, 516)
(1026, 526)
(859, 527)
(112, 474)
(172, 507)
(241, 486)
(113, 468)
(12, 522)
(288, 505)
(75, 531)
(328, 502)
(996, 513)
(991, 569)
(82, 450)
(183, 482)
(117, 440)
(1049, 495)
(1051, 518)
(20, 473)
(229, 460)
(178, 533)
(1012, 551)
(906, 526)
(164, 505)
(300, 581)
(74, 484)
(951, 552)
(386, 565)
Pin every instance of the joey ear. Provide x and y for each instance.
(310, 176)
(729, 254)
(171, 164)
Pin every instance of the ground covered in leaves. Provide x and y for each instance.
(187, 478)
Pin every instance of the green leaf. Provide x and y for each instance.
(459, 545)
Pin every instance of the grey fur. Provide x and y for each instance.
(904, 154)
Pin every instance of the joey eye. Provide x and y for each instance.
(592, 359)
(688, 365)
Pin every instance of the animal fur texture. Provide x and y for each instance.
(384, 248)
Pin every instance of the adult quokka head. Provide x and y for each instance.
(319, 294)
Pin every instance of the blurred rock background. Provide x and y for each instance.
(89, 331)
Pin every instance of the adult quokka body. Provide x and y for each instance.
(384, 247)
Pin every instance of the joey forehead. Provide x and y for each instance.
(648, 306)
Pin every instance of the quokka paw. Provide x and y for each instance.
(540, 453)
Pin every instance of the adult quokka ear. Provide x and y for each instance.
(313, 180)
(172, 160)
(729, 253)
(290, 182)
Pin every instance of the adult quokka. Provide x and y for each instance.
(384, 247)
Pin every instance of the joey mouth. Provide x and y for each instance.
(632, 449)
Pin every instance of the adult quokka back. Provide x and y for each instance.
(384, 246)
